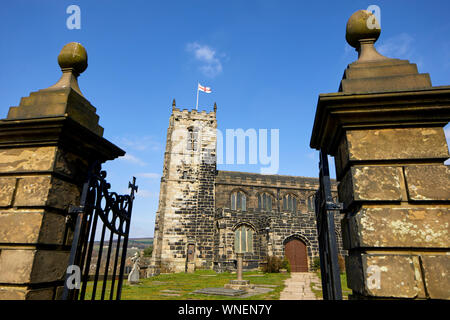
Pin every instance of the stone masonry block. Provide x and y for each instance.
(16, 265)
(394, 144)
(32, 266)
(49, 265)
(53, 229)
(428, 182)
(437, 277)
(70, 164)
(383, 275)
(37, 226)
(7, 187)
(341, 157)
(371, 183)
(20, 226)
(46, 191)
(27, 159)
(399, 227)
(13, 293)
(33, 191)
(40, 294)
(63, 194)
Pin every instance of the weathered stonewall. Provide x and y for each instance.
(183, 238)
(196, 221)
(46, 145)
(385, 129)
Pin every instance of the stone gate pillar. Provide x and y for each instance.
(46, 146)
(385, 129)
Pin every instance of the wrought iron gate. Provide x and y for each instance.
(328, 249)
(113, 211)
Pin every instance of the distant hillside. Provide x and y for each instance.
(140, 243)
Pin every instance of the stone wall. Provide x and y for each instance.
(194, 205)
(47, 144)
(385, 129)
(272, 228)
(186, 205)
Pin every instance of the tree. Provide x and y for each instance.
(148, 251)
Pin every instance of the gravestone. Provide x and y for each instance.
(133, 277)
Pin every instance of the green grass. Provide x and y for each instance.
(185, 283)
(345, 290)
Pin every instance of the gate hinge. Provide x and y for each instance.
(73, 211)
(76, 209)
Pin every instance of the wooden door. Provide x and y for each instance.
(190, 253)
(296, 253)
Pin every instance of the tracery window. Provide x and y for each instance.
(311, 203)
(243, 239)
(290, 203)
(238, 201)
(192, 139)
(265, 201)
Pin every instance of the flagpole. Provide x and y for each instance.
(196, 106)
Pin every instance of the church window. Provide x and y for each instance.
(192, 139)
(290, 203)
(265, 202)
(311, 203)
(243, 239)
(238, 201)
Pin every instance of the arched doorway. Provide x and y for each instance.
(295, 251)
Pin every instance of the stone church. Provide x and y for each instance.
(205, 215)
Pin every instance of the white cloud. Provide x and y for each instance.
(146, 194)
(140, 143)
(211, 65)
(398, 47)
(149, 175)
(133, 159)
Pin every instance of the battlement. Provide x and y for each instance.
(272, 180)
(193, 114)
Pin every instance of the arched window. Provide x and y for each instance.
(192, 139)
(312, 203)
(238, 201)
(243, 239)
(265, 202)
(290, 203)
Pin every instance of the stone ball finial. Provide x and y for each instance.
(73, 56)
(362, 25)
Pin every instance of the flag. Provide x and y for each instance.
(204, 89)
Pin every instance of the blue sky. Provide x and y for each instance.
(266, 62)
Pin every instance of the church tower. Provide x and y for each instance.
(183, 237)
